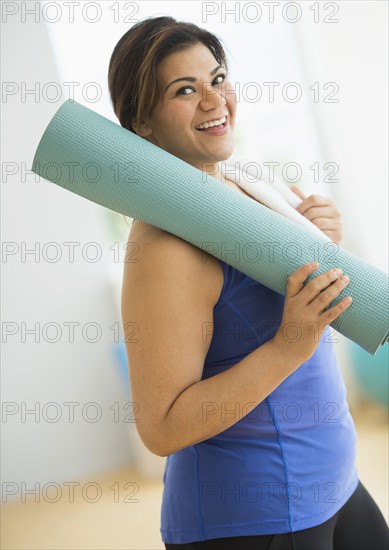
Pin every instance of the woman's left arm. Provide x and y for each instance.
(322, 212)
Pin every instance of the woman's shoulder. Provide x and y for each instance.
(175, 249)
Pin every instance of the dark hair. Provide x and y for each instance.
(132, 76)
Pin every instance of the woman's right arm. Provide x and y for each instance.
(167, 314)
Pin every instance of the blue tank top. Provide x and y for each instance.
(286, 465)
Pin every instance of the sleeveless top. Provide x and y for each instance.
(289, 463)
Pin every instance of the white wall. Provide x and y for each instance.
(38, 291)
(354, 132)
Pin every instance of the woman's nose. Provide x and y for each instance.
(211, 98)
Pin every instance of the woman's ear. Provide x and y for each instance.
(142, 129)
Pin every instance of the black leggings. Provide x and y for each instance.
(358, 525)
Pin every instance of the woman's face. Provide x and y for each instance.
(202, 94)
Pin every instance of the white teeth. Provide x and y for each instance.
(213, 123)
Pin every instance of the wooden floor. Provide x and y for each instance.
(113, 524)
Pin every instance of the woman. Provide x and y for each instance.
(255, 425)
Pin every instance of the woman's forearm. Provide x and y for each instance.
(210, 406)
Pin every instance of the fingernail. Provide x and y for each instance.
(337, 271)
(344, 280)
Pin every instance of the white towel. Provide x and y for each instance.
(276, 195)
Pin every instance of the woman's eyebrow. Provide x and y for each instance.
(191, 78)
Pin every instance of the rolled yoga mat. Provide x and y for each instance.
(96, 158)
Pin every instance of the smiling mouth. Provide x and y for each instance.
(213, 127)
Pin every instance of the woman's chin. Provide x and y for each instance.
(223, 153)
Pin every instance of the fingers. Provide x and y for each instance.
(331, 314)
(326, 296)
(296, 279)
(315, 288)
(322, 212)
(307, 305)
(313, 201)
(298, 192)
(320, 291)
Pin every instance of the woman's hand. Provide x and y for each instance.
(305, 316)
(322, 212)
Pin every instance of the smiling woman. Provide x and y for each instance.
(193, 122)
(224, 390)
(148, 67)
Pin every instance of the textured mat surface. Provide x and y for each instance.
(96, 158)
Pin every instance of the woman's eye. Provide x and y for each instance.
(222, 76)
(182, 90)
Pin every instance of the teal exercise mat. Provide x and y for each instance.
(96, 158)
